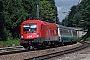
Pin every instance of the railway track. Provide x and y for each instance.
(12, 50)
(48, 56)
(52, 52)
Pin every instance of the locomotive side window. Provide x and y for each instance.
(30, 27)
(41, 27)
(54, 32)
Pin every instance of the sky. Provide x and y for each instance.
(64, 6)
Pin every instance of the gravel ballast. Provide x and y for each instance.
(31, 54)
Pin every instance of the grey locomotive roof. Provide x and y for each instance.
(61, 26)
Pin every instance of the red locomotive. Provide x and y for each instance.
(38, 33)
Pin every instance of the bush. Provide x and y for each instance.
(88, 39)
(9, 43)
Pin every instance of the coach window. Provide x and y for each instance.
(65, 32)
(74, 33)
(61, 31)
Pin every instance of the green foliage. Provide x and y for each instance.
(13, 14)
(48, 11)
(30, 7)
(70, 20)
(88, 39)
(9, 43)
(1, 22)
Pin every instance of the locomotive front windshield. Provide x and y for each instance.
(30, 28)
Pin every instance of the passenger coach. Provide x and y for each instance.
(66, 34)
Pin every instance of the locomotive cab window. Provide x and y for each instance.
(30, 27)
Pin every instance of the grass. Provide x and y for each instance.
(9, 43)
(88, 39)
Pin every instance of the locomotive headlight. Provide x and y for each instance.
(37, 35)
(21, 36)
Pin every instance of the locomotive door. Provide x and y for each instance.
(59, 34)
(45, 32)
(48, 33)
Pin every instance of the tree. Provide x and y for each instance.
(48, 11)
(14, 14)
(86, 16)
(78, 13)
(69, 21)
(30, 7)
(2, 32)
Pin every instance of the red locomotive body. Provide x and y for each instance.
(36, 32)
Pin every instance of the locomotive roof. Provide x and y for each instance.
(39, 21)
(30, 21)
